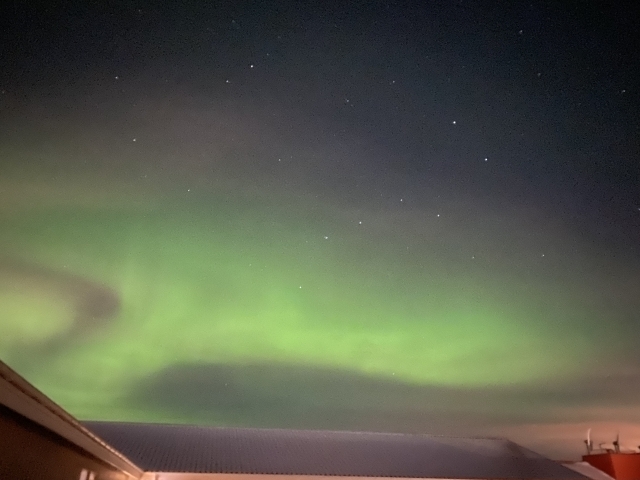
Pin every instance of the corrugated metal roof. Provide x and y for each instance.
(180, 448)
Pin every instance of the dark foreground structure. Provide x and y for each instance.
(38, 439)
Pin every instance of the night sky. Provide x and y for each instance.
(389, 216)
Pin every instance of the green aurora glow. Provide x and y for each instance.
(227, 279)
(409, 217)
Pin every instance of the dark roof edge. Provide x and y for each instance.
(23, 398)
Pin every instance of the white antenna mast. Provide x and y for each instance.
(588, 442)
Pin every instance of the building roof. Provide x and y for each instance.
(588, 470)
(180, 448)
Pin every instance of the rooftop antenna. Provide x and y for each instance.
(588, 442)
(616, 443)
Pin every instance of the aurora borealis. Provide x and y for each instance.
(371, 216)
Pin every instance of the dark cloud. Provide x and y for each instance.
(294, 396)
(273, 395)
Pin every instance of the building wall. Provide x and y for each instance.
(30, 451)
(621, 466)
